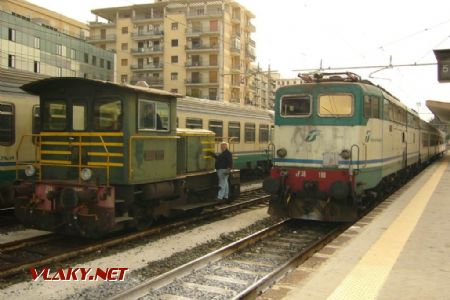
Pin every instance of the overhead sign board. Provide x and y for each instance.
(443, 58)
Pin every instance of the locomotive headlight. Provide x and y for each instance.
(30, 170)
(282, 152)
(345, 154)
(86, 174)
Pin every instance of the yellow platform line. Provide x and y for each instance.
(367, 278)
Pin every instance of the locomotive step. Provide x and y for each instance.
(124, 219)
(191, 206)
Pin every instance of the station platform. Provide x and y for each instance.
(400, 250)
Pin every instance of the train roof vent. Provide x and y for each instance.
(330, 77)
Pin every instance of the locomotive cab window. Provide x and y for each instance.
(153, 115)
(336, 105)
(55, 115)
(371, 107)
(79, 115)
(7, 128)
(296, 105)
(107, 114)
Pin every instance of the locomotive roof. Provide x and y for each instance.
(39, 86)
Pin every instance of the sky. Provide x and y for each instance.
(300, 34)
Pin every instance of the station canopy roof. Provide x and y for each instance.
(440, 109)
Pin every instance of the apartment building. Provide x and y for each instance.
(37, 40)
(261, 88)
(196, 48)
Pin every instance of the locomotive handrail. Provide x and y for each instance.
(79, 144)
(351, 158)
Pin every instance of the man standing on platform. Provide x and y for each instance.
(224, 163)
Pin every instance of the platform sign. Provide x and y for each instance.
(443, 58)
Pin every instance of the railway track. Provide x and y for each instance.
(242, 269)
(15, 257)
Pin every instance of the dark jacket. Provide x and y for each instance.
(224, 160)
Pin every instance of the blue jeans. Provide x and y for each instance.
(223, 183)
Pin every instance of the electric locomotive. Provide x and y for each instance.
(109, 156)
(340, 143)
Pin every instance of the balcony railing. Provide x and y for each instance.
(251, 27)
(202, 47)
(212, 13)
(148, 66)
(251, 42)
(195, 64)
(251, 55)
(158, 17)
(203, 30)
(200, 81)
(144, 34)
(102, 38)
(101, 24)
(147, 50)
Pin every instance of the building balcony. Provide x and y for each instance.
(147, 51)
(200, 65)
(236, 68)
(200, 47)
(251, 42)
(205, 15)
(251, 56)
(95, 24)
(199, 82)
(235, 50)
(236, 84)
(152, 82)
(102, 38)
(251, 27)
(149, 67)
(236, 18)
(149, 18)
(192, 32)
(142, 35)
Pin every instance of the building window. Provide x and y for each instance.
(124, 78)
(234, 132)
(102, 63)
(37, 67)
(124, 30)
(58, 49)
(124, 46)
(263, 133)
(174, 90)
(94, 60)
(217, 128)
(194, 123)
(11, 61)
(212, 94)
(124, 62)
(73, 54)
(86, 58)
(37, 43)
(250, 132)
(59, 72)
(174, 59)
(7, 119)
(174, 76)
(175, 26)
(174, 43)
(153, 115)
(11, 34)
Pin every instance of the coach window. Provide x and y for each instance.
(263, 133)
(250, 133)
(336, 105)
(55, 115)
(386, 108)
(296, 106)
(7, 121)
(107, 114)
(153, 115)
(194, 123)
(217, 128)
(234, 132)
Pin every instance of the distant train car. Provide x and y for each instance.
(110, 156)
(247, 129)
(18, 116)
(340, 142)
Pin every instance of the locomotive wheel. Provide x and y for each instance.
(143, 218)
(6, 195)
